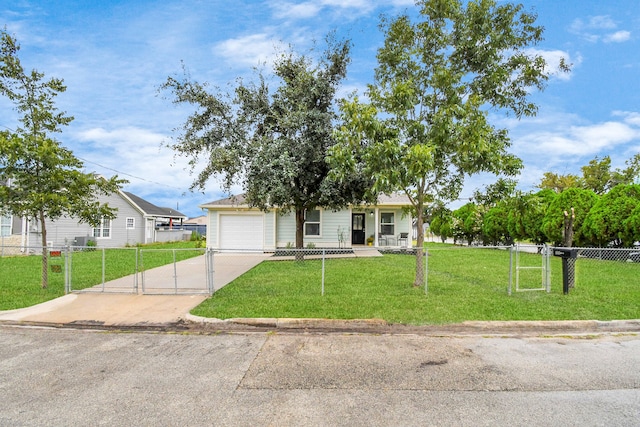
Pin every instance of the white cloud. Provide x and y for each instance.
(560, 142)
(312, 8)
(251, 50)
(133, 151)
(617, 37)
(287, 10)
(600, 22)
(629, 117)
(595, 29)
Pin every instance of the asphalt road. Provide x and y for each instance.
(64, 377)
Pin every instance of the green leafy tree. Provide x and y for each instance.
(467, 222)
(632, 226)
(596, 175)
(426, 126)
(605, 222)
(273, 143)
(45, 179)
(440, 223)
(562, 223)
(628, 175)
(495, 224)
(559, 183)
(495, 193)
(526, 215)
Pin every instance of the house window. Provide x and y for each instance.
(387, 224)
(312, 223)
(104, 229)
(131, 223)
(5, 225)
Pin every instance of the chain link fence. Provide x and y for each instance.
(497, 268)
(115, 270)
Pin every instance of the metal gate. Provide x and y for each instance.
(532, 268)
(152, 271)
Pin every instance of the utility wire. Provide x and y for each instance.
(113, 170)
(128, 174)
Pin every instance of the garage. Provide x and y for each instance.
(241, 231)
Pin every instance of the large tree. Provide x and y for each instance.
(45, 180)
(605, 222)
(563, 219)
(527, 213)
(272, 142)
(426, 125)
(559, 183)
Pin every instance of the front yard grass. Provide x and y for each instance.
(20, 276)
(463, 284)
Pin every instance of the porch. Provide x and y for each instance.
(381, 228)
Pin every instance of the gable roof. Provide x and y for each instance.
(152, 210)
(240, 201)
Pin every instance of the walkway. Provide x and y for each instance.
(132, 309)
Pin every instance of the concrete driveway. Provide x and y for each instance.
(113, 309)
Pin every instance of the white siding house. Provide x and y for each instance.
(232, 224)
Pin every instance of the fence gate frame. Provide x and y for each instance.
(137, 283)
(545, 268)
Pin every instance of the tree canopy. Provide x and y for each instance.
(605, 222)
(426, 126)
(46, 180)
(272, 142)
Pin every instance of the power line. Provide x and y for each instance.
(128, 174)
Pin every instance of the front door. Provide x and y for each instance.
(357, 227)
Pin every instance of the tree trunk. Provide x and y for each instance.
(568, 228)
(419, 280)
(45, 253)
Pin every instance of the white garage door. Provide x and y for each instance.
(241, 232)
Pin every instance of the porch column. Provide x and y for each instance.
(377, 225)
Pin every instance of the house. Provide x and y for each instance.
(197, 224)
(233, 225)
(137, 221)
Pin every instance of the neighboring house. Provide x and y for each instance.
(137, 221)
(232, 224)
(197, 224)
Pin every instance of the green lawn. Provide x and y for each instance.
(463, 284)
(20, 275)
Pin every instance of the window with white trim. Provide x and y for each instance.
(131, 223)
(387, 224)
(312, 223)
(5, 225)
(103, 230)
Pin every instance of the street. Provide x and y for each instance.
(54, 377)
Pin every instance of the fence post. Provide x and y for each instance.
(104, 267)
(142, 269)
(323, 253)
(426, 270)
(67, 288)
(510, 270)
(135, 280)
(210, 270)
(175, 273)
(547, 265)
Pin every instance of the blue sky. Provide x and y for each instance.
(113, 55)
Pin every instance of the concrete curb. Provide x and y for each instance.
(469, 327)
(293, 323)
